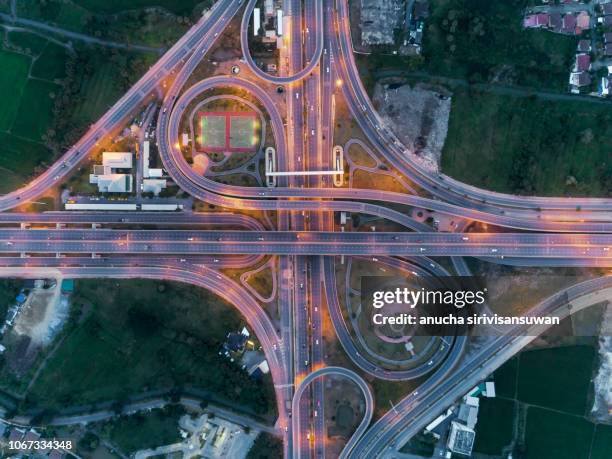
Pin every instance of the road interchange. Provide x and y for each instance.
(305, 246)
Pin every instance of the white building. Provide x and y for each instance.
(112, 183)
(256, 21)
(461, 439)
(153, 186)
(279, 22)
(115, 160)
(106, 177)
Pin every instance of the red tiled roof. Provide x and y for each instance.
(583, 62)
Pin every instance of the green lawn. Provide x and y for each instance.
(505, 378)
(36, 109)
(147, 335)
(13, 77)
(557, 378)
(51, 64)
(602, 442)
(146, 430)
(552, 435)
(527, 145)
(30, 42)
(495, 425)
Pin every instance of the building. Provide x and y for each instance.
(146, 170)
(256, 21)
(584, 46)
(112, 183)
(606, 8)
(583, 62)
(67, 285)
(106, 176)
(608, 49)
(568, 25)
(279, 22)
(461, 439)
(605, 87)
(583, 21)
(153, 185)
(579, 79)
(268, 8)
(605, 20)
(114, 160)
(536, 20)
(607, 37)
(555, 21)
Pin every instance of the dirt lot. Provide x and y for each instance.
(418, 115)
(40, 314)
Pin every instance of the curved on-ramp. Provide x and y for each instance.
(314, 61)
(327, 371)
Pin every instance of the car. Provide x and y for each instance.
(312, 132)
(465, 238)
(494, 250)
(190, 238)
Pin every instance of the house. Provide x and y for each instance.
(536, 20)
(605, 20)
(583, 62)
(555, 21)
(21, 298)
(580, 79)
(569, 24)
(583, 20)
(584, 46)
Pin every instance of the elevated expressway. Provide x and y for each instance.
(157, 250)
(529, 245)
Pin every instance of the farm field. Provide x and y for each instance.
(530, 146)
(551, 388)
(147, 336)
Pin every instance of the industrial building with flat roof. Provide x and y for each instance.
(106, 177)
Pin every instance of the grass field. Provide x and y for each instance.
(36, 109)
(505, 379)
(495, 421)
(602, 442)
(569, 367)
(51, 64)
(146, 430)
(553, 390)
(13, 77)
(553, 435)
(527, 145)
(28, 42)
(146, 335)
